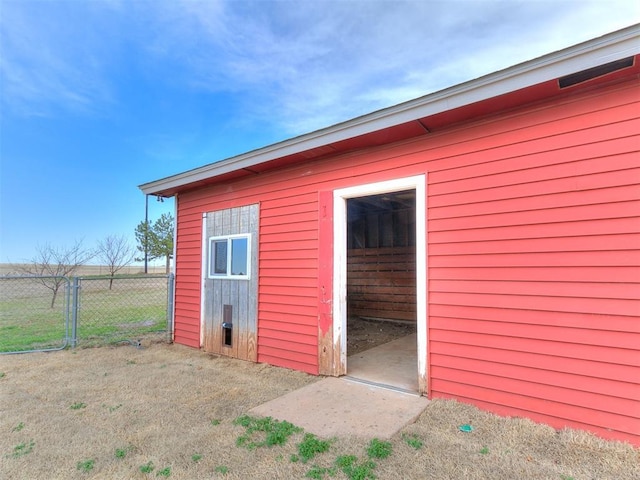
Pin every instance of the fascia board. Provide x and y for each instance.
(615, 46)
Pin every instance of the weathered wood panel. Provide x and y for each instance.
(240, 295)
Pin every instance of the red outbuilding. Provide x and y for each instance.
(499, 218)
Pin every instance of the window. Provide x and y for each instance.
(229, 257)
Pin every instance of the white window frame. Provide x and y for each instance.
(229, 239)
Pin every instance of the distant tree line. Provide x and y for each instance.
(51, 263)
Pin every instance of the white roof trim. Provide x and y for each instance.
(614, 46)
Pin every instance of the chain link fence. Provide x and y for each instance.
(34, 313)
(122, 309)
(47, 313)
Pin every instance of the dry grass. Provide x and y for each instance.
(157, 405)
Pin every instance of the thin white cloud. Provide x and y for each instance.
(297, 65)
(53, 57)
(306, 66)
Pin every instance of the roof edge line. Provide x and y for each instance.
(608, 47)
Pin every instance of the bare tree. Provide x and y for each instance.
(51, 264)
(116, 253)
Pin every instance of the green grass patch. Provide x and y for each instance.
(123, 452)
(78, 406)
(23, 448)
(147, 467)
(31, 325)
(196, 457)
(165, 472)
(86, 465)
(318, 473)
(413, 441)
(221, 469)
(355, 470)
(310, 446)
(272, 432)
(379, 449)
(18, 427)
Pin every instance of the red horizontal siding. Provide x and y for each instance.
(590, 166)
(587, 321)
(589, 243)
(588, 369)
(551, 230)
(534, 254)
(277, 326)
(562, 274)
(550, 289)
(628, 393)
(279, 359)
(570, 335)
(554, 200)
(606, 355)
(612, 178)
(564, 415)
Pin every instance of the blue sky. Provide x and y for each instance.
(99, 96)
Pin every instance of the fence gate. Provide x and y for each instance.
(122, 309)
(34, 313)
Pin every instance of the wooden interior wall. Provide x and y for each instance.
(381, 283)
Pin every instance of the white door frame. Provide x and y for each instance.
(340, 197)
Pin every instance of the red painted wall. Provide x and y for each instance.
(533, 259)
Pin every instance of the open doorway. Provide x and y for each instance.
(381, 289)
(380, 283)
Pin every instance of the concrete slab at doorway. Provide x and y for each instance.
(343, 407)
(394, 363)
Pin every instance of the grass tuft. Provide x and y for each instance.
(354, 470)
(86, 465)
(318, 473)
(275, 432)
(78, 406)
(310, 446)
(18, 427)
(23, 449)
(222, 469)
(147, 467)
(413, 441)
(165, 472)
(123, 452)
(379, 449)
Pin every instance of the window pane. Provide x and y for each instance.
(239, 263)
(220, 257)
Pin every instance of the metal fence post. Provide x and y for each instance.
(74, 311)
(67, 313)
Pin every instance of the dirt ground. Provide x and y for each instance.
(363, 334)
(109, 413)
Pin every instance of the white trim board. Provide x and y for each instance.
(203, 277)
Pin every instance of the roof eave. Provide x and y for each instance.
(608, 48)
